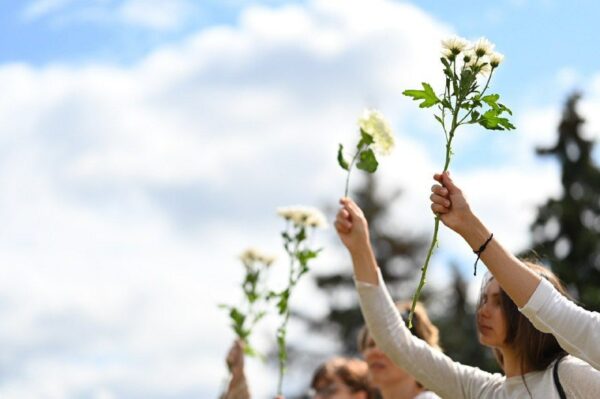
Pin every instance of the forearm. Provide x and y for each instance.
(365, 264)
(516, 279)
(429, 366)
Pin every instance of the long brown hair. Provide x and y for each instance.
(537, 350)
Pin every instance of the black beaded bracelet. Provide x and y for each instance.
(479, 251)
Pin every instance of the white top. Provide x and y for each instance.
(577, 330)
(450, 379)
(426, 395)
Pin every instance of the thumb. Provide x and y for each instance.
(353, 209)
(449, 183)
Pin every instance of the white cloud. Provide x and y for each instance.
(39, 8)
(128, 191)
(156, 14)
(160, 15)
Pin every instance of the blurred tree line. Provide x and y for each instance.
(564, 236)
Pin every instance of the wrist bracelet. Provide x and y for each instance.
(479, 251)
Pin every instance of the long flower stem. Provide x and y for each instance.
(350, 169)
(436, 225)
(282, 330)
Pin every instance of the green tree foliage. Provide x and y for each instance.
(566, 229)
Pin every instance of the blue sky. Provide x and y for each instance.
(145, 143)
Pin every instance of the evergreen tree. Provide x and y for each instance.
(565, 231)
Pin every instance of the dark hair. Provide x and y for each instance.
(353, 372)
(422, 327)
(535, 348)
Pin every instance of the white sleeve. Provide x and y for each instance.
(578, 378)
(577, 330)
(429, 366)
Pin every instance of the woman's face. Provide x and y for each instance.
(382, 370)
(335, 388)
(491, 322)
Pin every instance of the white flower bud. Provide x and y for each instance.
(496, 59)
(483, 47)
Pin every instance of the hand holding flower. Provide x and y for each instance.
(463, 102)
(449, 203)
(351, 226)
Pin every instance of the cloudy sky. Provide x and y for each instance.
(145, 143)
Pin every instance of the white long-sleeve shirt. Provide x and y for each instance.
(453, 380)
(577, 330)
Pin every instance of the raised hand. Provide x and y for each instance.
(449, 203)
(235, 358)
(351, 225)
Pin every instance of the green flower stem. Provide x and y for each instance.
(350, 169)
(436, 225)
(282, 330)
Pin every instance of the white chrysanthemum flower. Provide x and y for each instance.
(303, 216)
(455, 45)
(316, 219)
(374, 124)
(251, 255)
(469, 57)
(496, 59)
(483, 47)
(480, 65)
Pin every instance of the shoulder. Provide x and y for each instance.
(572, 371)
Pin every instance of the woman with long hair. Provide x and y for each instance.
(576, 329)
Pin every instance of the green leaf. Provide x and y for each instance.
(367, 162)
(306, 255)
(439, 119)
(490, 120)
(250, 351)
(491, 100)
(237, 316)
(301, 235)
(340, 158)
(283, 301)
(427, 95)
(365, 140)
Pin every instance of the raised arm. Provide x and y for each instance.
(576, 329)
(237, 388)
(516, 279)
(429, 366)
